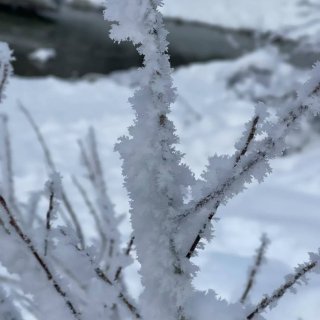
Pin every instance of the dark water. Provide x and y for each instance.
(82, 45)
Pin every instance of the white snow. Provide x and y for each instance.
(265, 15)
(252, 14)
(43, 55)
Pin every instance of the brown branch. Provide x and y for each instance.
(27, 241)
(48, 222)
(127, 253)
(52, 167)
(279, 293)
(256, 267)
(250, 138)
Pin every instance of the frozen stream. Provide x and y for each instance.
(80, 40)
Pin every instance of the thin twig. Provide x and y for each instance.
(93, 213)
(50, 276)
(250, 138)
(48, 222)
(52, 167)
(91, 160)
(256, 267)
(279, 293)
(127, 253)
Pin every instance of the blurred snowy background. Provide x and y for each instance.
(228, 55)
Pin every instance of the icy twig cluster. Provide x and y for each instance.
(50, 270)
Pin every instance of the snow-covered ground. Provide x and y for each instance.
(251, 14)
(263, 14)
(209, 118)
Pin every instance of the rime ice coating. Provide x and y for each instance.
(167, 231)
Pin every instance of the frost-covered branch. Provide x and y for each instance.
(259, 259)
(53, 190)
(227, 176)
(93, 212)
(116, 294)
(298, 278)
(127, 253)
(155, 178)
(52, 167)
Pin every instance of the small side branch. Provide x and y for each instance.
(127, 253)
(281, 291)
(48, 222)
(250, 138)
(94, 215)
(261, 252)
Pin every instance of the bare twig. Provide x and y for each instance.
(48, 221)
(250, 138)
(52, 167)
(279, 293)
(256, 267)
(50, 276)
(127, 253)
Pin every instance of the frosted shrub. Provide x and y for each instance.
(172, 213)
